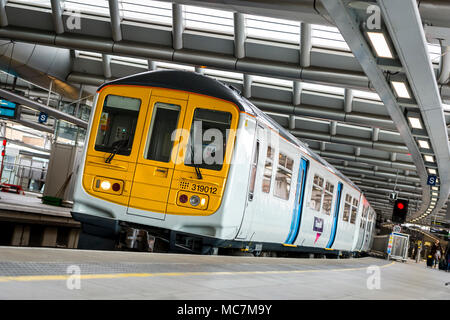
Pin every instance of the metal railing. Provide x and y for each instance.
(28, 177)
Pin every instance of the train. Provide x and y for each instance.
(176, 161)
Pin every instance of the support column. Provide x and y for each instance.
(21, 235)
(49, 237)
(297, 93)
(151, 65)
(291, 122)
(333, 128)
(3, 17)
(305, 45)
(73, 238)
(177, 26)
(375, 134)
(348, 100)
(239, 35)
(106, 65)
(248, 79)
(80, 96)
(57, 16)
(114, 13)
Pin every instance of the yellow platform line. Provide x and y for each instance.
(167, 274)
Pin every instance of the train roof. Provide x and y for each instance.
(200, 84)
(184, 81)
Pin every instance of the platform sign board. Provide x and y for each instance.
(431, 181)
(42, 117)
(8, 109)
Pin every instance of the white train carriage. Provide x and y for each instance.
(277, 195)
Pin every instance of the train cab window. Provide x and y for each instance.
(283, 177)
(327, 198)
(316, 194)
(208, 139)
(347, 207)
(117, 124)
(164, 123)
(267, 177)
(354, 211)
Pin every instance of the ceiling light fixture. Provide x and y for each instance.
(400, 89)
(415, 123)
(380, 45)
(424, 144)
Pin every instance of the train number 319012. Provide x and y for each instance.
(198, 187)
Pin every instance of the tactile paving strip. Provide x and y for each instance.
(52, 268)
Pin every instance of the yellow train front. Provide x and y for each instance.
(142, 177)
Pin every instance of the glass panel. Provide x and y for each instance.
(281, 160)
(318, 181)
(347, 209)
(205, 19)
(348, 198)
(147, 11)
(267, 178)
(329, 187)
(282, 184)
(272, 29)
(253, 173)
(353, 218)
(316, 194)
(97, 7)
(164, 123)
(117, 124)
(209, 131)
(289, 163)
(327, 200)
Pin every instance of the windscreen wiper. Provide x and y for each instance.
(196, 166)
(115, 150)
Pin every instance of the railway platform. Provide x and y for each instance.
(47, 273)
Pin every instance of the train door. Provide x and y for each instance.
(157, 156)
(299, 201)
(337, 207)
(251, 206)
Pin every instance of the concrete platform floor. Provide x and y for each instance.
(40, 273)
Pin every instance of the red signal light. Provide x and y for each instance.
(3, 153)
(183, 198)
(4, 142)
(400, 205)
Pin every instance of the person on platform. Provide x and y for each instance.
(437, 254)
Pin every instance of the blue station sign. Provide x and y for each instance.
(8, 109)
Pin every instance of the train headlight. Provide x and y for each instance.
(105, 185)
(194, 201)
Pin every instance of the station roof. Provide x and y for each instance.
(296, 62)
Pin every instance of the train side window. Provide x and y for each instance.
(327, 198)
(164, 123)
(251, 189)
(267, 177)
(347, 207)
(117, 124)
(209, 131)
(354, 211)
(316, 194)
(283, 177)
